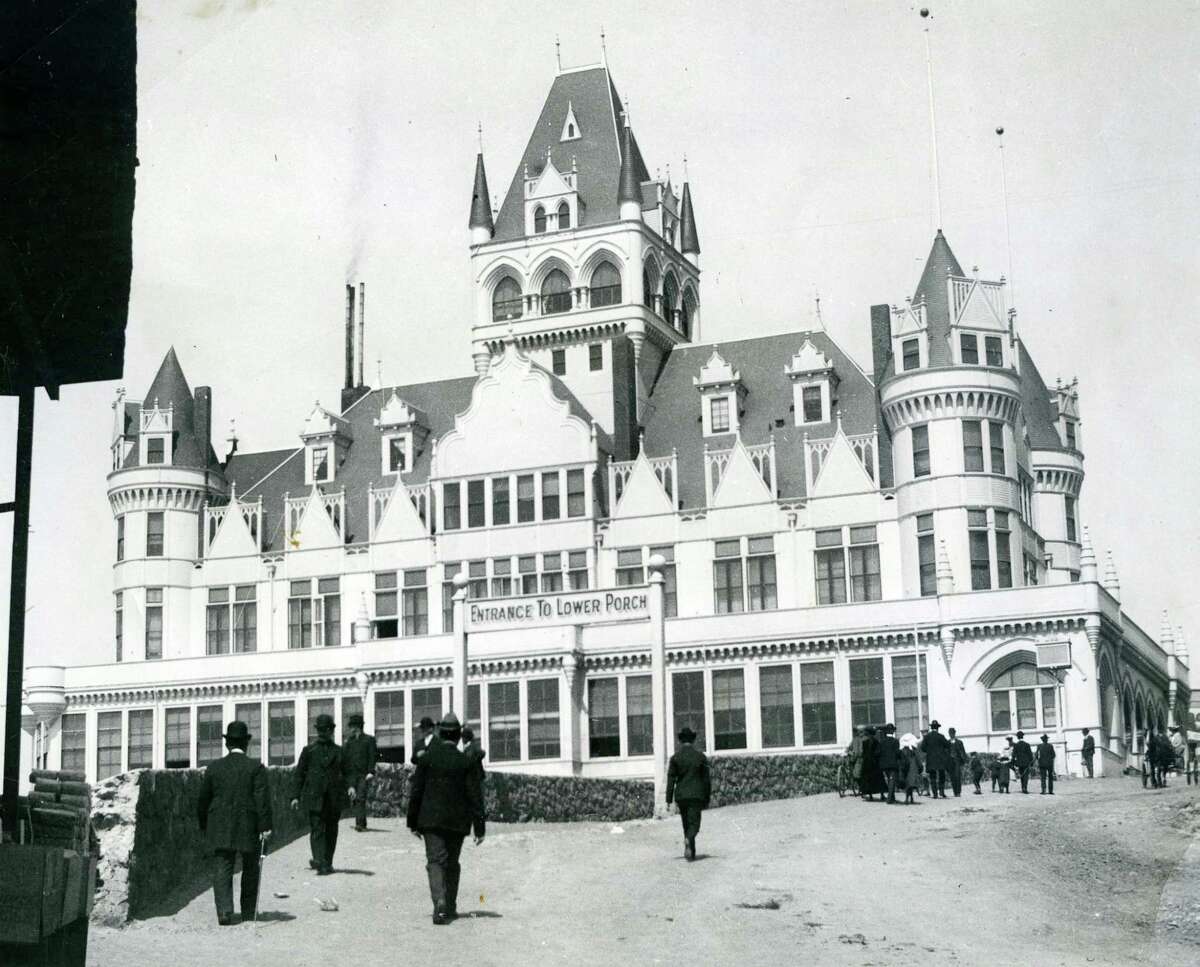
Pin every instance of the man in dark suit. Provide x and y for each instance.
(424, 739)
(690, 786)
(235, 818)
(359, 753)
(319, 785)
(1089, 752)
(1022, 761)
(445, 802)
(1045, 761)
(937, 759)
(958, 759)
(889, 760)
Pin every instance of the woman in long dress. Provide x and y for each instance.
(872, 775)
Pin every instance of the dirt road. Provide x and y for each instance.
(1071, 879)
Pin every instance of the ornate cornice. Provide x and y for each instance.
(172, 496)
(986, 404)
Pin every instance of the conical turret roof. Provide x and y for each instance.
(481, 201)
(170, 390)
(689, 240)
(630, 187)
(933, 292)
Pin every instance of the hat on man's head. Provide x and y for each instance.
(237, 731)
(1045, 738)
(450, 722)
(356, 719)
(426, 722)
(325, 723)
(1020, 735)
(889, 728)
(687, 734)
(935, 724)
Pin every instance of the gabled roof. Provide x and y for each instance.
(933, 291)
(676, 419)
(590, 94)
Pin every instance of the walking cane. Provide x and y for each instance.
(262, 854)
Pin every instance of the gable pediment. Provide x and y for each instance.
(400, 521)
(514, 400)
(397, 413)
(550, 183)
(716, 372)
(643, 495)
(233, 537)
(322, 423)
(909, 320)
(809, 361)
(741, 483)
(980, 305)
(842, 472)
(315, 526)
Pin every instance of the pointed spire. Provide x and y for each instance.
(945, 576)
(629, 190)
(1166, 636)
(1111, 583)
(1087, 558)
(689, 241)
(481, 204)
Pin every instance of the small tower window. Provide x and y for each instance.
(670, 295)
(556, 293)
(570, 130)
(686, 312)
(155, 450)
(564, 216)
(539, 220)
(647, 290)
(506, 300)
(606, 285)
(912, 354)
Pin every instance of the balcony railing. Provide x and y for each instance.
(556, 302)
(508, 309)
(605, 295)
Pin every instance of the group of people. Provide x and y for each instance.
(445, 804)
(882, 764)
(1163, 753)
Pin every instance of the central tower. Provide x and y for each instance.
(590, 266)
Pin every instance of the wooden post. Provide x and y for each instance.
(459, 701)
(658, 682)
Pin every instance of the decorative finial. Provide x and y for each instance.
(685, 171)
(557, 52)
(603, 47)
(480, 127)
(379, 371)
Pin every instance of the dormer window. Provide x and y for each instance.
(506, 300)
(564, 216)
(1069, 426)
(403, 430)
(320, 465)
(813, 385)
(539, 220)
(556, 293)
(910, 337)
(721, 394)
(718, 409)
(156, 450)
(912, 354)
(994, 347)
(326, 438)
(397, 453)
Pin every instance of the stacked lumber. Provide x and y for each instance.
(60, 809)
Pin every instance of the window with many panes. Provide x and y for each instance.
(867, 704)
(968, 343)
(910, 693)
(776, 707)
(281, 733)
(415, 600)
(251, 714)
(119, 622)
(154, 533)
(154, 622)
(994, 349)
(389, 725)
(315, 617)
(504, 721)
(865, 581)
(860, 558)
(729, 709)
(606, 286)
(926, 554)
(639, 720)
(209, 745)
(1004, 575)
(920, 450)
(217, 622)
(502, 585)
(727, 577)
(981, 558)
(541, 699)
(818, 707)
(108, 744)
(576, 494)
(550, 489)
(177, 747)
(1023, 697)
(322, 470)
(604, 721)
(386, 623)
(73, 742)
(911, 354)
(556, 293)
(1069, 505)
(141, 738)
(476, 503)
(761, 587)
(500, 498)
(558, 362)
(830, 561)
(526, 508)
(687, 704)
(506, 300)
(452, 505)
(718, 412)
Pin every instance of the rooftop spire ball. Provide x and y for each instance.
(924, 11)
(1000, 130)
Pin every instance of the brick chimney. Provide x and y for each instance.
(202, 419)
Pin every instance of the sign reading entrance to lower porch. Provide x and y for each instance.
(548, 609)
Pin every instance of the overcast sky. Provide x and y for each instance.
(285, 145)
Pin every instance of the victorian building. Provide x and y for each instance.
(840, 545)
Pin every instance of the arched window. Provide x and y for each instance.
(686, 313)
(647, 289)
(564, 216)
(1023, 697)
(669, 298)
(606, 285)
(506, 300)
(556, 293)
(539, 220)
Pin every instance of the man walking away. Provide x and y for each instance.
(424, 739)
(690, 787)
(1089, 750)
(976, 767)
(445, 802)
(1045, 761)
(1151, 754)
(937, 759)
(889, 760)
(1022, 761)
(319, 785)
(235, 817)
(958, 759)
(359, 754)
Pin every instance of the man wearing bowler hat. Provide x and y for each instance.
(1022, 761)
(445, 802)
(235, 818)
(938, 757)
(358, 753)
(1045, 761)
(424, 740)
(319, 785)
(690, 786)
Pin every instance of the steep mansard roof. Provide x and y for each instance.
(676, 413)
(590, 94)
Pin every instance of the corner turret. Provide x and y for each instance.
(481, 224)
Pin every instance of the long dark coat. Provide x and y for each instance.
(1022, 755)
(688, 778)
(889, 752)
(937, 752)
(910, 769)
(445, 791)
(320, 778)
(871, 780)
(235, 803)
(358, 759)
